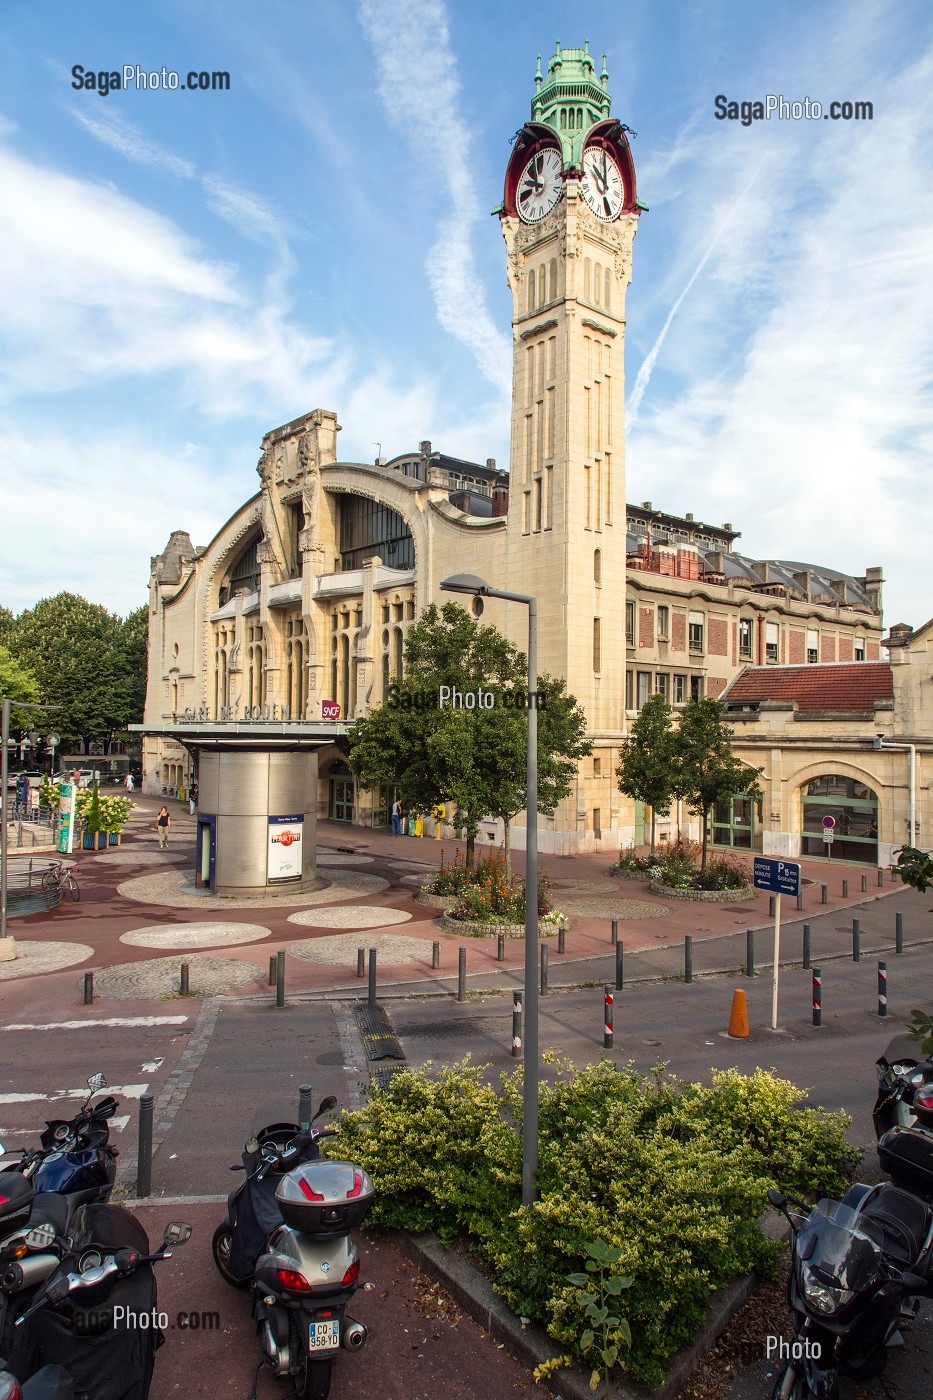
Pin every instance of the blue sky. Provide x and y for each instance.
(181, 271)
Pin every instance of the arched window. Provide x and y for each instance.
(295, 657)
(570, 120)
(542, 285)
(597, 282)
(606, 290)
(563, 118)
(579, 118)
(345, 674)
(553, 279)
(399, 641)
(853, 806)
(597, 566)
(587, 277)
(532, 285)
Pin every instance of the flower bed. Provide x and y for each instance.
(471, 928)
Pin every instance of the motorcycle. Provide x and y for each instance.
(96, 1313)
(74, 1157)
(287, 1235)
(50, 1383)
(858, 1271)
(905, 1087)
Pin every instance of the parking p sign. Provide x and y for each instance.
(778, 876)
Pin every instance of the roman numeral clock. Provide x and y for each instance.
(569, 214)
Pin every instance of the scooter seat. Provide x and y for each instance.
(48, 1208)
(904, 1220)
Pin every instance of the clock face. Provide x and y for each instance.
(602, 184)
(540, 186)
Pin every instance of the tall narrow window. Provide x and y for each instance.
(772, 641)
(399, 641)
(696, 629)
(607, 289)
(644, 688)
(860, 648)
(552, 290)
(630, 624)
(745, 638)
(597, 283)
(542, 285)
(532, 286)
(813, 646)
(548, 498)
(537, 505)
(597, 645)
(597, 566)
(550, 423)
(629, 690)
(587, 278)
(587, 505)
(664, 622)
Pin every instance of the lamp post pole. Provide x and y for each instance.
(469, 583)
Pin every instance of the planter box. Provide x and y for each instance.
(705, 896)
(94, 840)
(114, 838)
(438, 901)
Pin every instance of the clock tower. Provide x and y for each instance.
(569, 215)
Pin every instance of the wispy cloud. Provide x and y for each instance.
(420, 90)
(125, 137)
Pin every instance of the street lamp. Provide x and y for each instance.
(470, 583)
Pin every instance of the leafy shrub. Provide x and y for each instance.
(488, 896)
(671, 1175)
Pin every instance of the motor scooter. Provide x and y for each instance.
(287, 1235)
(905, 1087)
(50, 1383)
(74, 1157)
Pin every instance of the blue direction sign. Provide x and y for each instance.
(778, 876)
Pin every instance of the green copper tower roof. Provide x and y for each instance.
(571, 99)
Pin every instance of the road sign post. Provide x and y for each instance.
(828, 834)
(779, 877)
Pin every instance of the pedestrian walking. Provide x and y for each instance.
(163, 826)
(129, 782)
(192, 798)
(397, 815)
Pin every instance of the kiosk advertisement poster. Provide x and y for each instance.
(284, 859)
(66, 819)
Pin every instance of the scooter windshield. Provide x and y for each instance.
(841, 1247)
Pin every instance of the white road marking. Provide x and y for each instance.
(110, 1021)
(119, 1123)
(127, 1091)
(151, 1066)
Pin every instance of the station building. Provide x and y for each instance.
(266, 643)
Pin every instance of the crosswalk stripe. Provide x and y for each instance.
(109, 1021)
(126, 1091)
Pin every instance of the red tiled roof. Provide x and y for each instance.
(851, 686)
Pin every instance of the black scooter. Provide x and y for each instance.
(74, 1157)
(858, 1271)
(905, 1087)
(51, 1383)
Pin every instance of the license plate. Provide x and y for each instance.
(324, 1336)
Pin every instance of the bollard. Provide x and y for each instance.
(845, 889)
(880, 878)
(544, 969)
(864, 884)
(772, 906)
(304, 1106)
(361, 962)
(561, 938)
(461, 974)
(500, 948)
(856, 941)
(89, 989)
(183, 980)
(688, 957)
(272, 971)
(806, 947)
(608, 1034)
(372, 976)
(280, 977)
(817, 996)
(899, 933)
(893, 875)
(615, 932)
(749, 952)
(882, 988)
(144, 1148)
(435, 956)
(824, 894)
(620, 970)
(516, 1023)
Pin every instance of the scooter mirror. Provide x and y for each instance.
(326, 1105)
(96, 1083)
(252, 1145)
(176, 1232)
(40, 1236)
(777, 1200)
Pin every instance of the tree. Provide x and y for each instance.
(17, 683)
(707, 770)
(475, 757)
(648, 764)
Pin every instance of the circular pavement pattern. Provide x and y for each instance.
(341, 858)
(416, 881)
(194, 935)
(588, 887)
(36, 957)
(350, 916)
(393, 949)
(143, 856)
(597, 907)
(173, 889)
(159, 977)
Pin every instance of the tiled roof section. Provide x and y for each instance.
(851, 686)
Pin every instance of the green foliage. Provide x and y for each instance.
(99, 813)
(451, 878)
(920, 1027)
(677, 869)
(606, 1333)
(88, 663)
(915, 868)
(670, 1177)
(648, 763)
(18, 683)
(707, 770)
(93, 816)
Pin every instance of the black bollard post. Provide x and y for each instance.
(461, 974)
(880, 878)
(544, 969)
(749, 952)
(608, 1031)
(806, 947)
(304, 1106)
(899, 933)
(280, 978)
(435, 956)
(688, 957)
(856, 941)
(561, 938)
(89, 989)
(882, 988)
(893, 876)
(516, 1023)
(615, 932)
(272, 971)
(845, 889)
(824, 894)
(864, 884)
(361, 962)
(183, 980)
(620, 969)
(372, 977)
(817, 996)
(500, 948)
(144, 1148)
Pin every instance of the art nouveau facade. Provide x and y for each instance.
(302, 600)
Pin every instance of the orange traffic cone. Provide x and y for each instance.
(738, 1019)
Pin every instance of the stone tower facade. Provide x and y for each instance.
(569, 216)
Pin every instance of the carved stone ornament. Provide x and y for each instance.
(265, 552)
(264, 465)
(307, 451)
